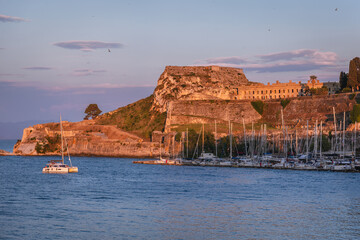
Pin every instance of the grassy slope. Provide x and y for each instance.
(136, 118)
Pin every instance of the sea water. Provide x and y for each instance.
(112, 198)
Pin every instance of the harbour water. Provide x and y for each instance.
(112, 198)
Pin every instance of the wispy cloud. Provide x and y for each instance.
(296, 60)
(227, 60)
(38, 68)
(4, 18)
(87, 46)
(87, 72)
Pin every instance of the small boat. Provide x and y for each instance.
(58, 166)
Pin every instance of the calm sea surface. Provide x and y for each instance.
(113, 198)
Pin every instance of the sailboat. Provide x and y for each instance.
(58, 166)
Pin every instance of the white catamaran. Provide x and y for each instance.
(58, 166)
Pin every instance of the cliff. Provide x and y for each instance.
(84, 138)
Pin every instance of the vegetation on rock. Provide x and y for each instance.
(284, 102)
(355, 113)
(258, 106)
(50, 145)
(137, 118)
(319, 91)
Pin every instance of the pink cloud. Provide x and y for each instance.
(37, 68)
(4, 18)
(296, 60)
(87, 46)
(87, 72)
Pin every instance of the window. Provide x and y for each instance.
(292, 90)
(270, 91)
(262, 92)
(284, 91)
(253, 92)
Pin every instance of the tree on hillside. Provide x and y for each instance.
(354, 73)
(92, 111)
(343, 80)
(313, 77)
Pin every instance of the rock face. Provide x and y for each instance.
(84, 138)
(196, 83)
(297, 112)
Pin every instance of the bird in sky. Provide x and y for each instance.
(336, 9)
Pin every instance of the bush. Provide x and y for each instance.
(258, 106)
(346, 90)
(351, 96)
(319, 91)
(355, 113)
(284, 102)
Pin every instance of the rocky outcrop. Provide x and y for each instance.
(4, 153)
(84, 138)
(196, 83)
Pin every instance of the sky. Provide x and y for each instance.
(59, 56)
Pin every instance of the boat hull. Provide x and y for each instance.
(73, 169)
(56, 170)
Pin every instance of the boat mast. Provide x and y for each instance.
(230, 155)
(334, 146)
(203, 136)
(246, 153)
(315, 138)
(216, 153)
(187, 143)
(307, 140)
(344, 137)
(62, 142)
(320, 138)
(355, 142)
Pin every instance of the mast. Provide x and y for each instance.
(216, 153)
(335, 130)
(315, 138)
(230, 156)
(62, 142)
(307, 140)
(344, 137)
(246, 153)
(320, 138)
(160, 147)
(265, 139)
(187, 143)
(296, 143)
(355, 142)
(203, 136)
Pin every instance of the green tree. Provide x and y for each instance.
(313, 77)
(92, 111)
(343, 80)
(354, 73)
(355, 113)
(319, 91)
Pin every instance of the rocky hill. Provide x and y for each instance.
(196, 83)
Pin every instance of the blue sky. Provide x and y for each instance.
(54, 54)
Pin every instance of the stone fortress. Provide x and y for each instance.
(225, 83)
(280, 90)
